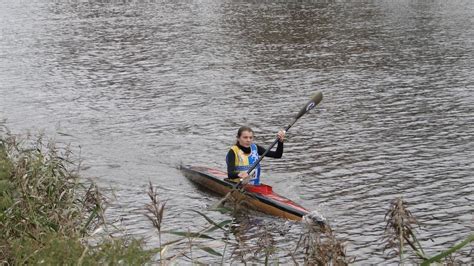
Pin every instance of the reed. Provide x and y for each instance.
(399, 230)
(320, 246)
(251, 244)
(156, 209)
(187, 241)
(400, 236)
(48, 211)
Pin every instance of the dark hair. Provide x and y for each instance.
(242, 129)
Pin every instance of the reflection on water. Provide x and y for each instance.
(144, 87)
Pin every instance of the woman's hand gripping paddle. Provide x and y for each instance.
(310, 105)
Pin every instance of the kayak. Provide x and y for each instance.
(258, 197)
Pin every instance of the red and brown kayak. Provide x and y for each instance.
(260, 197)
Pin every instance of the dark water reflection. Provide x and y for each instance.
(142, 87)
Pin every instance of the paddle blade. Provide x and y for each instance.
(310, 105)
(218, 204)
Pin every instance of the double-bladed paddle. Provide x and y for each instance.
(310, 105)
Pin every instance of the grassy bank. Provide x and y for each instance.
(47, 212)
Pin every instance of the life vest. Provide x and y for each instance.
(243, 162)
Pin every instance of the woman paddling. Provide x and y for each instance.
(244, 153)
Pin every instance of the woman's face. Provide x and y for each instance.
(245, 139)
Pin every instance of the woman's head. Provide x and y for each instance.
(245, 136)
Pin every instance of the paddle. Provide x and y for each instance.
(310, 105)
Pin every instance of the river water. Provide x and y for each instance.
(140, 87)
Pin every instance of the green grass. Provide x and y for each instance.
(54, 249)
(47, 210)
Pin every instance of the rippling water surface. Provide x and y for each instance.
(143, 87)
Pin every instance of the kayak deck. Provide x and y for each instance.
(260, 197)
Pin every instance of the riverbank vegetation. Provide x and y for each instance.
(51, 215)
(48, 213)
(401, 238)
